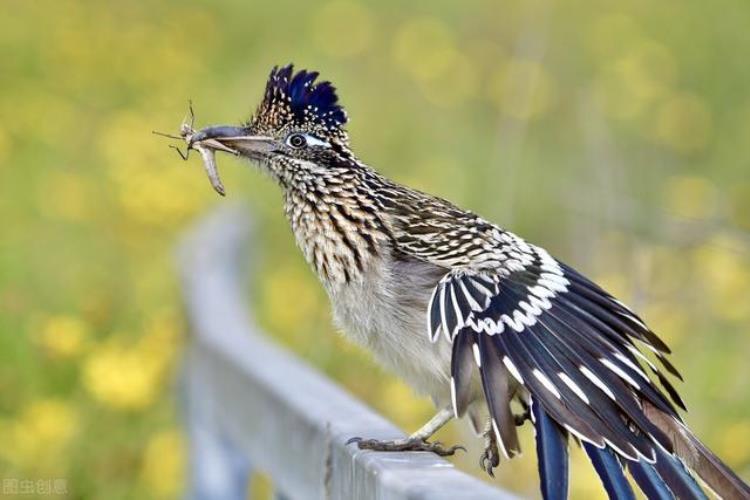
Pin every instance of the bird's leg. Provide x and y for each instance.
(491, 456)
(415, 442)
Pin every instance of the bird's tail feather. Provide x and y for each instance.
(716, 475)
(649, 481)
(670, 476)
(666, 479)
(610, 471)
(552, 453)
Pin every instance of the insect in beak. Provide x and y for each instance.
(206, 146)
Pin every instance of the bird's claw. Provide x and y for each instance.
(490, 458)
(405, 445)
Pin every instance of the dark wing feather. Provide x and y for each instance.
(462, 368)
(559, 343)
(451, 322)
(626, 404)
(585, 287)
(573, 347)
(498, 393)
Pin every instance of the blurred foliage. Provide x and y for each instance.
(614, 133)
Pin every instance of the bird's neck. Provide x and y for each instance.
(337, 224)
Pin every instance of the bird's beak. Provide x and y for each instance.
(234, 140)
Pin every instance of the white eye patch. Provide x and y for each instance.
(314, 141)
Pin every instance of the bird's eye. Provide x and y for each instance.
(296, 140)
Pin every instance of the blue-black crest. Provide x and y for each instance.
(298, 98)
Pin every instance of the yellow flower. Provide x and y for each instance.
(38, 436)
(123, 378)
(63, 336)
(130, 377)
(163, 465)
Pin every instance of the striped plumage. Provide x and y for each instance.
(471, 314)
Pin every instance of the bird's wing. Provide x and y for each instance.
(515, 312)
(568, 342)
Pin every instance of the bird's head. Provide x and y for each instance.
(297, 130)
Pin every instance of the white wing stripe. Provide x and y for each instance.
(477, 357)
(632, 365)
(453, 398)
(533, 310)
(540, 303)
(516, 325)
(512, 369)
(547, 383)
(573, 387)
(473, 303)
(640, 356)
(597, 382)
(552, 285)
(557, 278)
(482, 288)
(627, 378)
(446, 330)
(542, 292)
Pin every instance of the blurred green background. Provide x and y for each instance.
(614, 133)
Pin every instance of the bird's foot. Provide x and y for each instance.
(490, 458)
(409, 444)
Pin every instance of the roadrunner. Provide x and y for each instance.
(486, 324)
